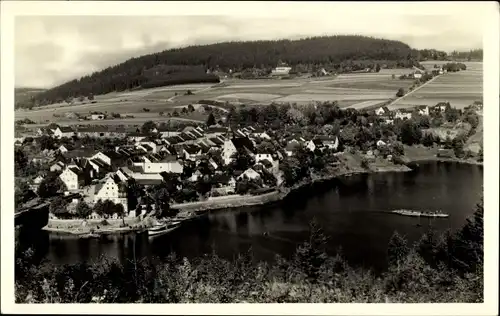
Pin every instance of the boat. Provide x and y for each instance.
(420, 213)
(163, 228)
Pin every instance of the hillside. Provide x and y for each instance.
(188, 65)
(24, 95)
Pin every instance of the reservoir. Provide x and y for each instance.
(351, 210)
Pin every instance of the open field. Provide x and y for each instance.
(358, 90)
(459, 88)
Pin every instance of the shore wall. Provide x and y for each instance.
(73, 223)
(228, 201)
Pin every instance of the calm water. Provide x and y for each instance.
(350, 210)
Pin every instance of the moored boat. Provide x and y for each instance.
(420, 213)
(163, 228)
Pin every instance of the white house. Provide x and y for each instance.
(403, 114)
(103, 157)
(58, 166)
(381, 143)
(96, 117)
(423, 110)
(250, 174)
(417, 74)
(64, 131)
(228, 150)
(267, 156)
(36, 183)
(280, 71)
(62, 149)
(170, 165)
(72, 176)
(382, 110)
(112, 190)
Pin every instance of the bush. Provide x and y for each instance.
(400, 93)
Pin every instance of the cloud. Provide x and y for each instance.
(50, 50)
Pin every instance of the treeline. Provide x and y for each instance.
(436, 269)
(474, 54)
(236, 56)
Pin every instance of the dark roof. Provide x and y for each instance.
(386, 109)
(192, 149)
(148, 181)
(216, 141)
(186, 136)
(266, 163)
(326, 138)
(92, 129)
(168, 158)
(99, 163)
(242, 143)
(137, 134)
(147, 147)
(292, 146)
(317, 141)
(66, 129)
(216, 129)
(80, 152)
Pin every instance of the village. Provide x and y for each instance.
(159, 169)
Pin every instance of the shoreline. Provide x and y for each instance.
(280, 194)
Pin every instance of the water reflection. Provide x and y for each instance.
(350, 210)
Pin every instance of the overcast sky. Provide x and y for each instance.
(50, 50)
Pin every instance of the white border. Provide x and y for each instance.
(489, 12)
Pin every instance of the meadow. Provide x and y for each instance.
(359, 90)
(459, 88)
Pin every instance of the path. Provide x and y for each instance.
(414, 90)
(130, 121)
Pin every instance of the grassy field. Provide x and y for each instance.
(459, 88)
(358, 91)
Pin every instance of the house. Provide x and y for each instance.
(441, 107)
(250, 174)
(329, 141)
(195, 176)
(423, 110)
(169, 164)
(101, 131)
(214, 131)
(234, 145)
(44, 131)
(136, 137)
(73, 177)
(64, 149)
(95, 117)
(263, 156)
(64, 131)
(191, 152)
(382, 110)
(292, 148)
(314, 144)
(417, 74)
(36, 183)
(224, 184)
(403, 114)
(381, 143)
(112, 189)
(281, 71)
(58, 166)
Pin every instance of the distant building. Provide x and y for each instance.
(423, 110)
(281, 71)
(403, 114)
(64, 131)
(382, 110)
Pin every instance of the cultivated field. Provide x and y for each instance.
(360, 90)
(459, 88)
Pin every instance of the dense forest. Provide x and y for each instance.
(189, 64)
(475, 54)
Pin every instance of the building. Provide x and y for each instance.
(111, 189)
(403, 114)
(58, 166)
(73, 177)
(64, 131)
(249, 174)
(382, 111)
(423, 110)
(281, 71)
(96, 117)
(234, 145)
(169, 164)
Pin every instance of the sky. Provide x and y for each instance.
(50, 50)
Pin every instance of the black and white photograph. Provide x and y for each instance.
(251, 153)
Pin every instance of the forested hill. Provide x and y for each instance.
(189, 64)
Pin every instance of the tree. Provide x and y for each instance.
(397, 249)
(50, 186)
(184, 110)
(20, 160)
(189, 92)
(393, 76)
(410, 133)
(211, 119)
(400, 93)
(83, 210)
(90, 97)
(377, 68)
(311, 255)
(58, 206)
(81, 98)
(190, 108)
(175, 113)
(147, 127)
(46, 142)
(161, 113)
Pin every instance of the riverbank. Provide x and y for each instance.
(415, 154)
(95, 227)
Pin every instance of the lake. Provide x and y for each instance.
(351, 210)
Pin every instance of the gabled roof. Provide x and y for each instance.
(192, 149)
(66, 129)
(292, 146)
(243, 142)
(216, 141)
(80, 152)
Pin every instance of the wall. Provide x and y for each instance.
(228, 201)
